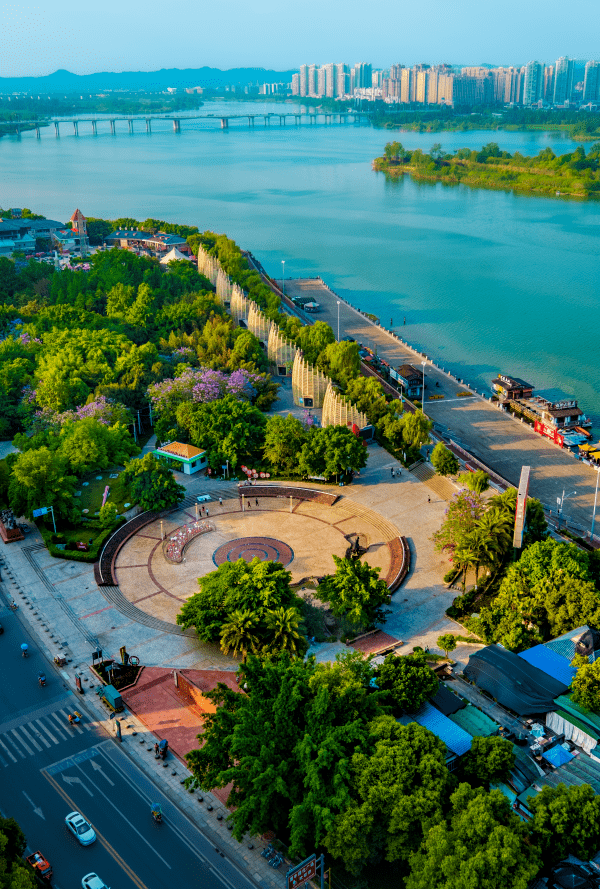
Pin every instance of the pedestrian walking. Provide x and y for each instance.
(256, 501)
(207, 512)
(391, 322)
(404, 319)
(429, 499)
(392, 472)
(220, 501)
(249, 504)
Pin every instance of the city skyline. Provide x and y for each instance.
(36, 41)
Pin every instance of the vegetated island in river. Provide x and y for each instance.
(575, 175)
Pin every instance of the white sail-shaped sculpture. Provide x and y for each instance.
(223, 287)
(258, 323)
(309, 384)
(280, 351)
(339, 412)
(239, 305)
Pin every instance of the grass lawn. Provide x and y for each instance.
(92, 488)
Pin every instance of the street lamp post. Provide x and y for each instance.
(560, 503)
(423, 389)
(283, 277)
(338, 305)
(595, 501)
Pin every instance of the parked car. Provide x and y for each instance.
(93, 881)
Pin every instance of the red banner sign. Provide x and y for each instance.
(549, 432)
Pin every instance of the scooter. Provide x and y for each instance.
(42, 679)
(25, 650)
(13, 605)
(157, 813)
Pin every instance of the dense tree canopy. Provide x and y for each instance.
(152, 484)
(355, 591)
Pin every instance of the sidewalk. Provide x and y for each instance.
(205, 810)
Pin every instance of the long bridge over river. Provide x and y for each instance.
(297, 118)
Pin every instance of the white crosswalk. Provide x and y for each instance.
(32, 737)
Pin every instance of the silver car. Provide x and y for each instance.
(93, 881)
(81, 829)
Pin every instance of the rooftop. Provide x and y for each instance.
(474, 722)
(454, 737)
(551, 662)
(177, 449)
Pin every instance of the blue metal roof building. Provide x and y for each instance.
(454, 737)
(551, 662)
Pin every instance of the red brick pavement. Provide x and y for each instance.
(374, 643)
(176, 714)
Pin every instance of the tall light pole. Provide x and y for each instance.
(338, 305)
(423, 389)
(595, 501)
(283, 277)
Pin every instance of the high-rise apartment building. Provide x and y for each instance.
(342, 77)
(563, 80)
(532, 86)
(303, 77)
(321, 83)
(591, 83)
(361, 76)
(295, 84)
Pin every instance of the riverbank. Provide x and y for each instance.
(497, 173)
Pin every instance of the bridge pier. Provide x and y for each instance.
(224, 123)
(267, 120)
(94, 128)
(37, 132)
(112, 127)
(56, 129)
(282, 120)
(250, 120)
(130, 122)
(298, 119)
(148, 125)
(75, 128)
(176, 125)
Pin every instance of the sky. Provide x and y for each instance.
(145, 35)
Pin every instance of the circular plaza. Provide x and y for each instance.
(302, 534)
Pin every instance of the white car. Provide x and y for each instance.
(81, 829)
(93, 881)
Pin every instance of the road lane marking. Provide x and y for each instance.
(98, 768)
(118, 810)
(73, 780)
(44, 730)
(7, 751)
(59, 727)
(35, 808)
(29, 738)
(111, 851)
(14, 732)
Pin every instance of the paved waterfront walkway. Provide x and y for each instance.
(501, 442)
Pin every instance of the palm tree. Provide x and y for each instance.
(466, 556)
(496, 525)
(239, 634)
(283, 624)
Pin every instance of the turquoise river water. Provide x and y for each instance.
(488, 281)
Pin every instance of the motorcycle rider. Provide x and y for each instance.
(24, 649)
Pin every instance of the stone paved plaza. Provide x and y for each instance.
(309, 532)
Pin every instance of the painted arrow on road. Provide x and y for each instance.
(98, 768)
(68, 780)
(35, 808)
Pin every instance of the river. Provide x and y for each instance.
(487, 281)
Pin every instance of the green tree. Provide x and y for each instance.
(284, 438)
(489, 760)
(586, 684)
(462, 516)
(239, 633)
(443, 460)
(482, 847)
(41, 478)
(478, 481)
(333, 452)
(89, 444)
(14, 873)
(245, 600)
(151, 484)
(340, 361)
(313, 339)
(416, 428)
(108, 515)
(407, 681)
(399, 791)
(367, 394)
(228, 429)
(355, 591)
(446, 642)
(566, 819)
(282, 625)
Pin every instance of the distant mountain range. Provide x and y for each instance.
(64, 81)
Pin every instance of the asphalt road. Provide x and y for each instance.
(49, 768)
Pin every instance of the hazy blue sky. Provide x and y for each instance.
(118, 35)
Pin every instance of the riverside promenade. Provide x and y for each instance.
(473, 423)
